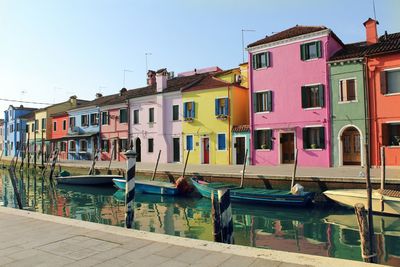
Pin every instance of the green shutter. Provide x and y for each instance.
(254, 102)
(322, 137)
(321, 95)
(254, 62)
(383, 83)
(319, 49)
(268, 59)
(305, 138)
(304, 97)
(303, 52)
(269, 100)
(269, 139)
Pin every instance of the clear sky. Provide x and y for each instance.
(51, 49)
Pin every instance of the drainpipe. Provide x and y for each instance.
(229, 125)
(129, 124)
(366, 107)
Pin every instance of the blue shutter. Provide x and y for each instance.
(184, 110)
(221, 142)
(193, 110)
(226, 109)
(216, 107)
(189, 142)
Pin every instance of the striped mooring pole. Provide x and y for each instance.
(222, 216)
(130, 187)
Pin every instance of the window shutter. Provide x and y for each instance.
(305, 138)
(254, 98)
(385, 134)
(304, 97)
(254, 62)
(303, 52)
(268, 58)
(269, 139)
(383, 82)
(322, 137)
(226, 109)
(193, 110)
(321, 95)
(216, 107)
(319, 49)
(269, 100)
(185, 110)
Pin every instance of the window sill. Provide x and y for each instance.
(82, 152)
(312, 59)
(176, 120)
(391, 94)
(262, 112)
(313, 149)
(263, 68)
(316, 108)
(347, 102)
(263, 150)
(393, 146)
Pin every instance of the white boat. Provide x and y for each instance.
(383, 201)
(87, 179)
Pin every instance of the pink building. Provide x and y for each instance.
(290, 105)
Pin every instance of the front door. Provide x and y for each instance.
(240, 149)
(351, 147)
(206, 150)
(287, 146)
(176, 148)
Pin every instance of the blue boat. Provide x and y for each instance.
(254, 195)
(149, 187)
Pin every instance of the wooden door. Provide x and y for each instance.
(351, 147)
(240, 149)
(176, 149)
(287, 146)
(206, 151)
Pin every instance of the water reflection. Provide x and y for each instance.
(324, 232)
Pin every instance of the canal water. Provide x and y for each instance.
(330, 232)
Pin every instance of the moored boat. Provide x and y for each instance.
(383, 201)
(149, 187)
(254, 195)
(87, 179)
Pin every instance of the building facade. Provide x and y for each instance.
(290, 100)
(60, 126)
(1, 137)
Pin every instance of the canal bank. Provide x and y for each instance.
(29, 238)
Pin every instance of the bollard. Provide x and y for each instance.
(130, 187)
(222, 217)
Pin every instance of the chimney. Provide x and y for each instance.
(151, 77)
(161, 79)
(98, 95)
(122, 91)
(72, 100)
(371, 31)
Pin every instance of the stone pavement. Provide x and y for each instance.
(34, 239)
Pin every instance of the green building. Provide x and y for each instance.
(348, 109)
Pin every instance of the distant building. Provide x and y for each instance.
(2, 137)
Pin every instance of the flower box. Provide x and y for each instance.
(222, 117)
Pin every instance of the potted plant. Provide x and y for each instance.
(264, 146)
(221, 117)
(314, 146)
(187, 119)
(397, 138)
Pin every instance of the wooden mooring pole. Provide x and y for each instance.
(155, 168)
(92, 169)
(111, 158)
(42, 150)
(34, 150)
(244, 169)
(53, 164)
(222, 216)
(294, 167)
(11, 171)
(28, 154)
(383, 167)
(130, 187)
(367, 251)
(186, 161)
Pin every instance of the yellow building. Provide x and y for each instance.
(211, 108)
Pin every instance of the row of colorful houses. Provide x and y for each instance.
(302, 89)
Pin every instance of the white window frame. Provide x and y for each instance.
(387, 88)
(355, 91)
(259, 92)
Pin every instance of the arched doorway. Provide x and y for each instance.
(351, 146)
(138, 148)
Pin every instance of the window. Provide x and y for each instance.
(17, 127)
(43, 124)
(136, 116)
(72, 123)
(94, 119)
(83, 146)
(263, 139)
(314, 138)
(262, 101)
(105, 146)
(390, 82)
(311, 50)
(312, 96)
(175, 112)
(54, 126)
(72, 146)
(188, 110)
(348, 90)
(123, 115)
(221, 142)
(11, 128)
(189, 142)
(63, 146)
(26, 129)
(36, 125)
(151, 115)
(105, 118)
(123, 145)
(64, 125)
(150, 145)
(85, 120)
(391, 134)
(261, 60)
(221, 107)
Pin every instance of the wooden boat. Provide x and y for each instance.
(383, 201)
(87, 179)
(149, 187)
(254, 195)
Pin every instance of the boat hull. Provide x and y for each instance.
(150, 187)
(259, 196)
(87, 179)
(380, 203)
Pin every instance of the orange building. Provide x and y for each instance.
(383, 73)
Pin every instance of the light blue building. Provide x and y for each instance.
(15, 129)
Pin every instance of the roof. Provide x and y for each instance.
(209, 82)
(241, 128)
(59, 114)
(290, 33)
(29, 116)
(22, 108)
(227, 71)
(388, 43)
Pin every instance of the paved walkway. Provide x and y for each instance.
(34, 239)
